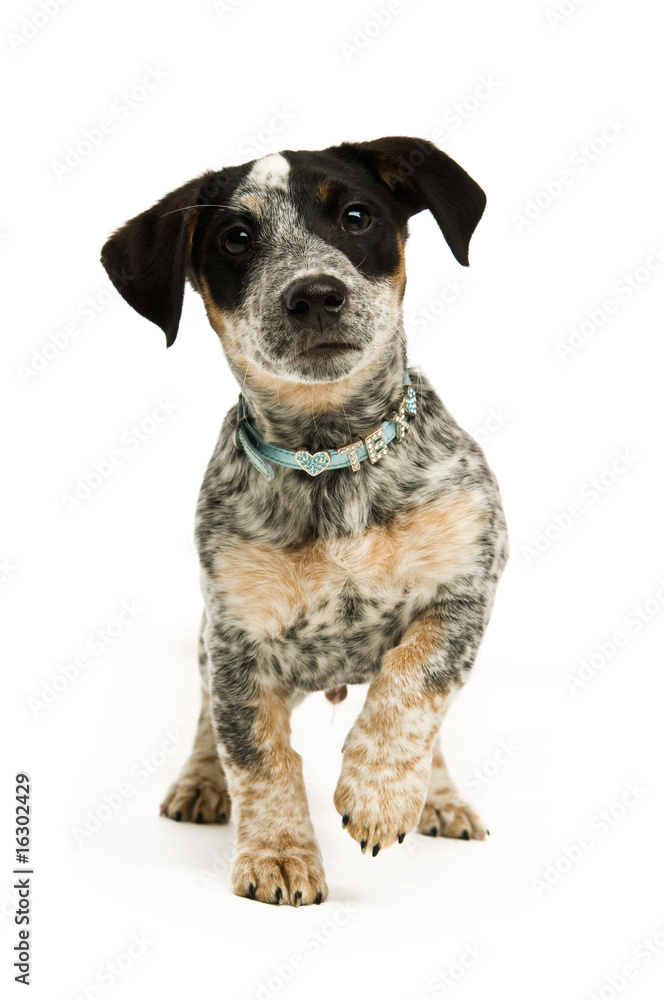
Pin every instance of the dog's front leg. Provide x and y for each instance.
(276, 858)
(387, 754)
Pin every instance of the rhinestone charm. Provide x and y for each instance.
(376, 446)
(350, 450)
(313, 464)
(399, 417)
(410, 399)
(407, 407)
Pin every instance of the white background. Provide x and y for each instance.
(533, 94)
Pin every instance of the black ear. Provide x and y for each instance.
(148, 258)
(421, 176)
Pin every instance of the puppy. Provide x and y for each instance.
(348, 530)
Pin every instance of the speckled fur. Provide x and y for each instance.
(385, 577)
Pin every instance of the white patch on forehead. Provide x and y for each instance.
(270, 171)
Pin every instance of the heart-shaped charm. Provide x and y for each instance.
(313, 464)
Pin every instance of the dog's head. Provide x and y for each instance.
(299, 256)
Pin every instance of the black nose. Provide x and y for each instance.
(315, 301)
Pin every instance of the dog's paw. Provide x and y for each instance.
(197, 799)
(292, 874)
(446, 815)
(380, 802)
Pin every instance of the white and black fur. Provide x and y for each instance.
(384, 576)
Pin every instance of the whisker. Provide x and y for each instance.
(205, 205)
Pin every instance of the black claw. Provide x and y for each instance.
(278, 894)
(432, 831)
(344, 821)
(376, 848)
(297, 899)
(363, 844)
(401, 837)
(488, 833)
(177, 816)
(199, 818)
(464, 836)
(319, 897)
(251, 892)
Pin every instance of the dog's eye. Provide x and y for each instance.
(355, 219)
(237, 241)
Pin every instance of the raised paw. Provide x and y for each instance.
(195, 798)
(380, 802)
(291, 875)
(450, 816)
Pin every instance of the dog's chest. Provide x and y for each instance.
(332, 601)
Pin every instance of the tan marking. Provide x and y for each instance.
(388, 752)
(302, 396)
(216, 317)
(214, 313)
(388, 171)
(272, 729)
(253, 203)
(191, 226)
(399, 273)
(326, 191)
(276, 846)
(417, 647)
(269, 588)
(437, 758)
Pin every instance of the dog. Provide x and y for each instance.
(349, 531)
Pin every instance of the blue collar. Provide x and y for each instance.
(372, 445)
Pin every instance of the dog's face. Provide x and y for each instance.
(302, 269)
(298, 256)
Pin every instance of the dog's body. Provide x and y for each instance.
(383, 572)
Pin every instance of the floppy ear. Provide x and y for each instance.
(148, 258)
(421, 176)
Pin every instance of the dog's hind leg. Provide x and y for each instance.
(200, 793)
(445, 813)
